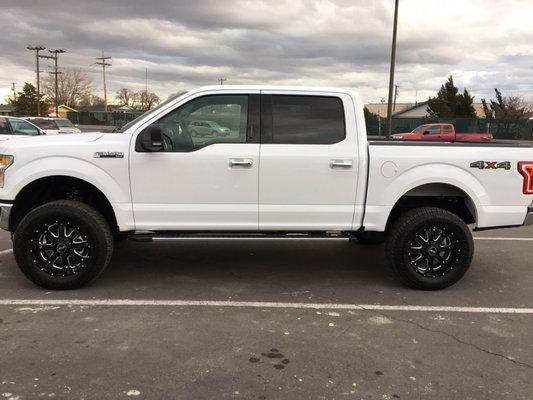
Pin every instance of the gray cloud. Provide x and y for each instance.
(331, 42)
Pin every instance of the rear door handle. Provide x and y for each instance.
(241, 162)
(341, 164)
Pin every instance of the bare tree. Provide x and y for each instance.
(508, 116)
(73, 86)
(91, 100)
(142, 100)
(507, 107)
(148, 100)
(125, 97)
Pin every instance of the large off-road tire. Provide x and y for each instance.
(429, 248)
(63, 244)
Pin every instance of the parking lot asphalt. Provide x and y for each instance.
(242, 320)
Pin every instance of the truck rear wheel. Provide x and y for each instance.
(63, 244)
(429, 248)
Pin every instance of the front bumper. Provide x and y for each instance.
(529, 216)
(5, 213)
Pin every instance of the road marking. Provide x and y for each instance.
(503, 238)
(261, 304)
(8, 251)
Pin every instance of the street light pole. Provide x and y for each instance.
(392, 67)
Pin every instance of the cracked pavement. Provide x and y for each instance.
(180, 352)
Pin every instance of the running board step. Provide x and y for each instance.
(152, 237)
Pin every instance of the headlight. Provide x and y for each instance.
(5, 162)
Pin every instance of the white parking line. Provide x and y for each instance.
(261, 304)
(503, 238)
(6, 251)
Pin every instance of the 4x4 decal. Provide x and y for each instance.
(491, 165)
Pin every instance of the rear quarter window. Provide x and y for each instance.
(307, 120)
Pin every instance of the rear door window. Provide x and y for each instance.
(44, 123)
(307, 120)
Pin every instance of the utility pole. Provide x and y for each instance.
(13, 88)
(222, 80)
(395, 97)
(37, 49)
(392, 67)
(103, 62)
(56, 73)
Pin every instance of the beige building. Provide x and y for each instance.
(381, 108)
(412, 110)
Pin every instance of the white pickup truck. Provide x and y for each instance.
(292, 162)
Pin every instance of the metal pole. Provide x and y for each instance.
(56, 100)
(38, 85)
(103, 62)
(37, 49)
(56, 73)
(105, 89)
(392, 66)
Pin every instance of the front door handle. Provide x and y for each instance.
(241, 162)
(347, 164)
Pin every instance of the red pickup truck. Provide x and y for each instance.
(442, 133)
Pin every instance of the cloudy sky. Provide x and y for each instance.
(183, 44)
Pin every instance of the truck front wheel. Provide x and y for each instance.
(63, 244)
(429, 248)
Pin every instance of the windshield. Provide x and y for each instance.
(419, 129)
(63, 123)
(124, 128)
(44, 123)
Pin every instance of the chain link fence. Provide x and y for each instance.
(501, 129)
(103, 118)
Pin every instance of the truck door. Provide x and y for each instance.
(309, 164)
(433, 132)
(448, 133)
(200, 182)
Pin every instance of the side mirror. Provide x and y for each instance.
(150, 139)
(41, 132)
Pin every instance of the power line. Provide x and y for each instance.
(37, 49)
(103, 63)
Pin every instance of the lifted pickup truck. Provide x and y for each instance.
(442, 133)
(295, 162)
